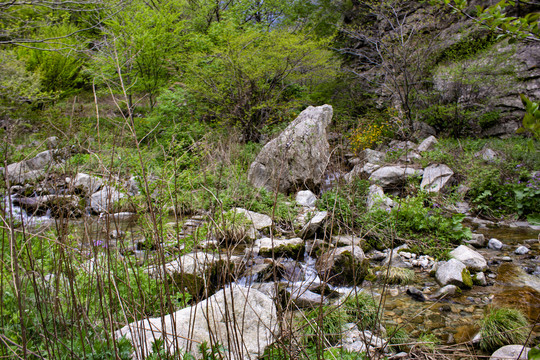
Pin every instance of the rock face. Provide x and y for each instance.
(347, 265)
(298, 156)
(242, 320)
(472, 259)
(393, 176)
(436, 177)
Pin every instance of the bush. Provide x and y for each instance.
(364, 309)
(502, 327)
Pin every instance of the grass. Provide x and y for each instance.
(503, 326)
(363, 309)
(399, 276)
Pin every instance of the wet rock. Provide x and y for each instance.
(472, 259)
(445, 291)
(199, 273)
(521, 250)
(453, 272)
(416, 294)
(393, 176)
(343, 266)
(298, 156)
(291, 248)
(479, 279)
(376, 197)
(306, 198)
(515, 352)
(495, 244)
(247, 313)
(477, 240)
(90, 184)
(105, 199)
(436, 177)
(427, 144)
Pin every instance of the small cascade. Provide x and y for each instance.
(18, 214)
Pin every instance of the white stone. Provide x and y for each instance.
(90, 184)
(372, 156)
(521, 250)
(450, 273)
(103, 200)
(377, 197)
(316, 221)
(510, 352)
(393, 176)
(436, 177)
(306, 198)
(495, 244)
(259, 221)
(242, 320)
(427, 144)
(471, 258)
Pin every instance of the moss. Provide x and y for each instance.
(467, 278)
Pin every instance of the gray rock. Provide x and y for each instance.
(347, 240)
(436, 177)
(51, 142)
(58, 205)
(298, 156)
(242, 320)
(292, 248)
(521, 250)
(395, 260)
(199, 273)
(511, 352)
(445, 292)
(302, 297)
(90, 184)
(42, 160)
(376, 197)
(487, 154)
(362, 171)
(477, 240)
(479, 279)
(347, 265)
(104, 200)
(315, 223)
(453, 272)
(494, 244)
(393, 176)
(259, 221)
(472, 259)
(428, 144)
(422, 130)
(306, 198)
(372, 156)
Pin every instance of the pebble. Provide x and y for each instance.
(506, 258)
(522, 250)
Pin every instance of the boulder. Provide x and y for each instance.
(298, 156)
(90, 184)
(393, 176)
(347, 240)
(453, 272)
(436, 177)
(472, 259)
(376, 197)
(445, 292)
(103, 200)
(302, 297)
(199, 273)
(343, 266)
(428, 144)
(306, 198)
(292, 248)
(513, 352)
(487, 155)
(393, 259)
(479, 279)
(242, 320)
(421, 130)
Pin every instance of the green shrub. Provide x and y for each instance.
(501, 327)
(363, 309)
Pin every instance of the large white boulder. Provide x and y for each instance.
(242, 320)
(393, 176)
(298, 157)
(453, 272)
